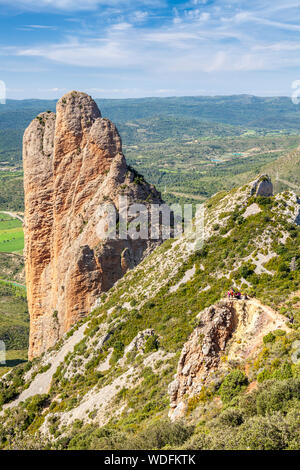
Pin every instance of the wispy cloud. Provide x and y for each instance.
(36, 27)
(159, 41)
(121, 26)
(74, 5)
(140, 16)
(40, 26)
(279, 46)
(202, 41)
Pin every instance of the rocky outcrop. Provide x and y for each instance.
(73, 163)
(262, 187)
(201, 354)
(228, 333)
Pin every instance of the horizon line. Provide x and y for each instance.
(156, 97)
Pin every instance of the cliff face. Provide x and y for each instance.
(73, 162)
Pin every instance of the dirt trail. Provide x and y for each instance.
(13, 215)
(256, 321)
(190, 196)
(275, 316)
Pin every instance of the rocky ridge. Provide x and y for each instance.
(163, 322)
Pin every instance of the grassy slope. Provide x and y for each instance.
(146, 289)
(14, 357)
(287, 169)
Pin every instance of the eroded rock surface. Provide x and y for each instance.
(228, 332)
(73, 163)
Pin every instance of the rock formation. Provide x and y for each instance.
(262, 186)
(73, 163)
(228, 333)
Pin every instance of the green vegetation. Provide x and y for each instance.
(11, 234)
(232, 385)
(12, 267)
(229, 413)
(190, 166)
(253, 405)
(11, 190)
(188, 147)
(14, 324)
(14, 357)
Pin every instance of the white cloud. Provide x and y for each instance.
(101, 54)
(276, 24)
(37, 27)
(120, 26)
(182, 50)
(197, 14)
(204, 16)
(279, 46)
(40, 26)
(193, 43)
(73, 5)
(171, 37)
(117, 91)
(140, 15)
(68, 5)
(53, 90)
(164, 91)
(252, 17)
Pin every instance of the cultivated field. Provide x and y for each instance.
(11, 234)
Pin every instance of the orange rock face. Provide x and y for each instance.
(73, 163)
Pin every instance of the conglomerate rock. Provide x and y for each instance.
(73, 163)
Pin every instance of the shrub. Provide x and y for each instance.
(231, 417)
(151, 344)
(275, 396)
(260, 433)
(36, 403)
(159, 435)
(246, 270)
(269, 338)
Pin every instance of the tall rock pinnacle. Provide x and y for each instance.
(73, 162)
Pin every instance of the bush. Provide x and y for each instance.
(260, 433)
(269, 338)
(231, 417)
(247, 270)
(36, 403)
(277, 396)
(151, 344)
(232, 385)
(158, 436)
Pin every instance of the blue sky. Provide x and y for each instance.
(135, 48)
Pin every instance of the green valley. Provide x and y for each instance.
(187, 147)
